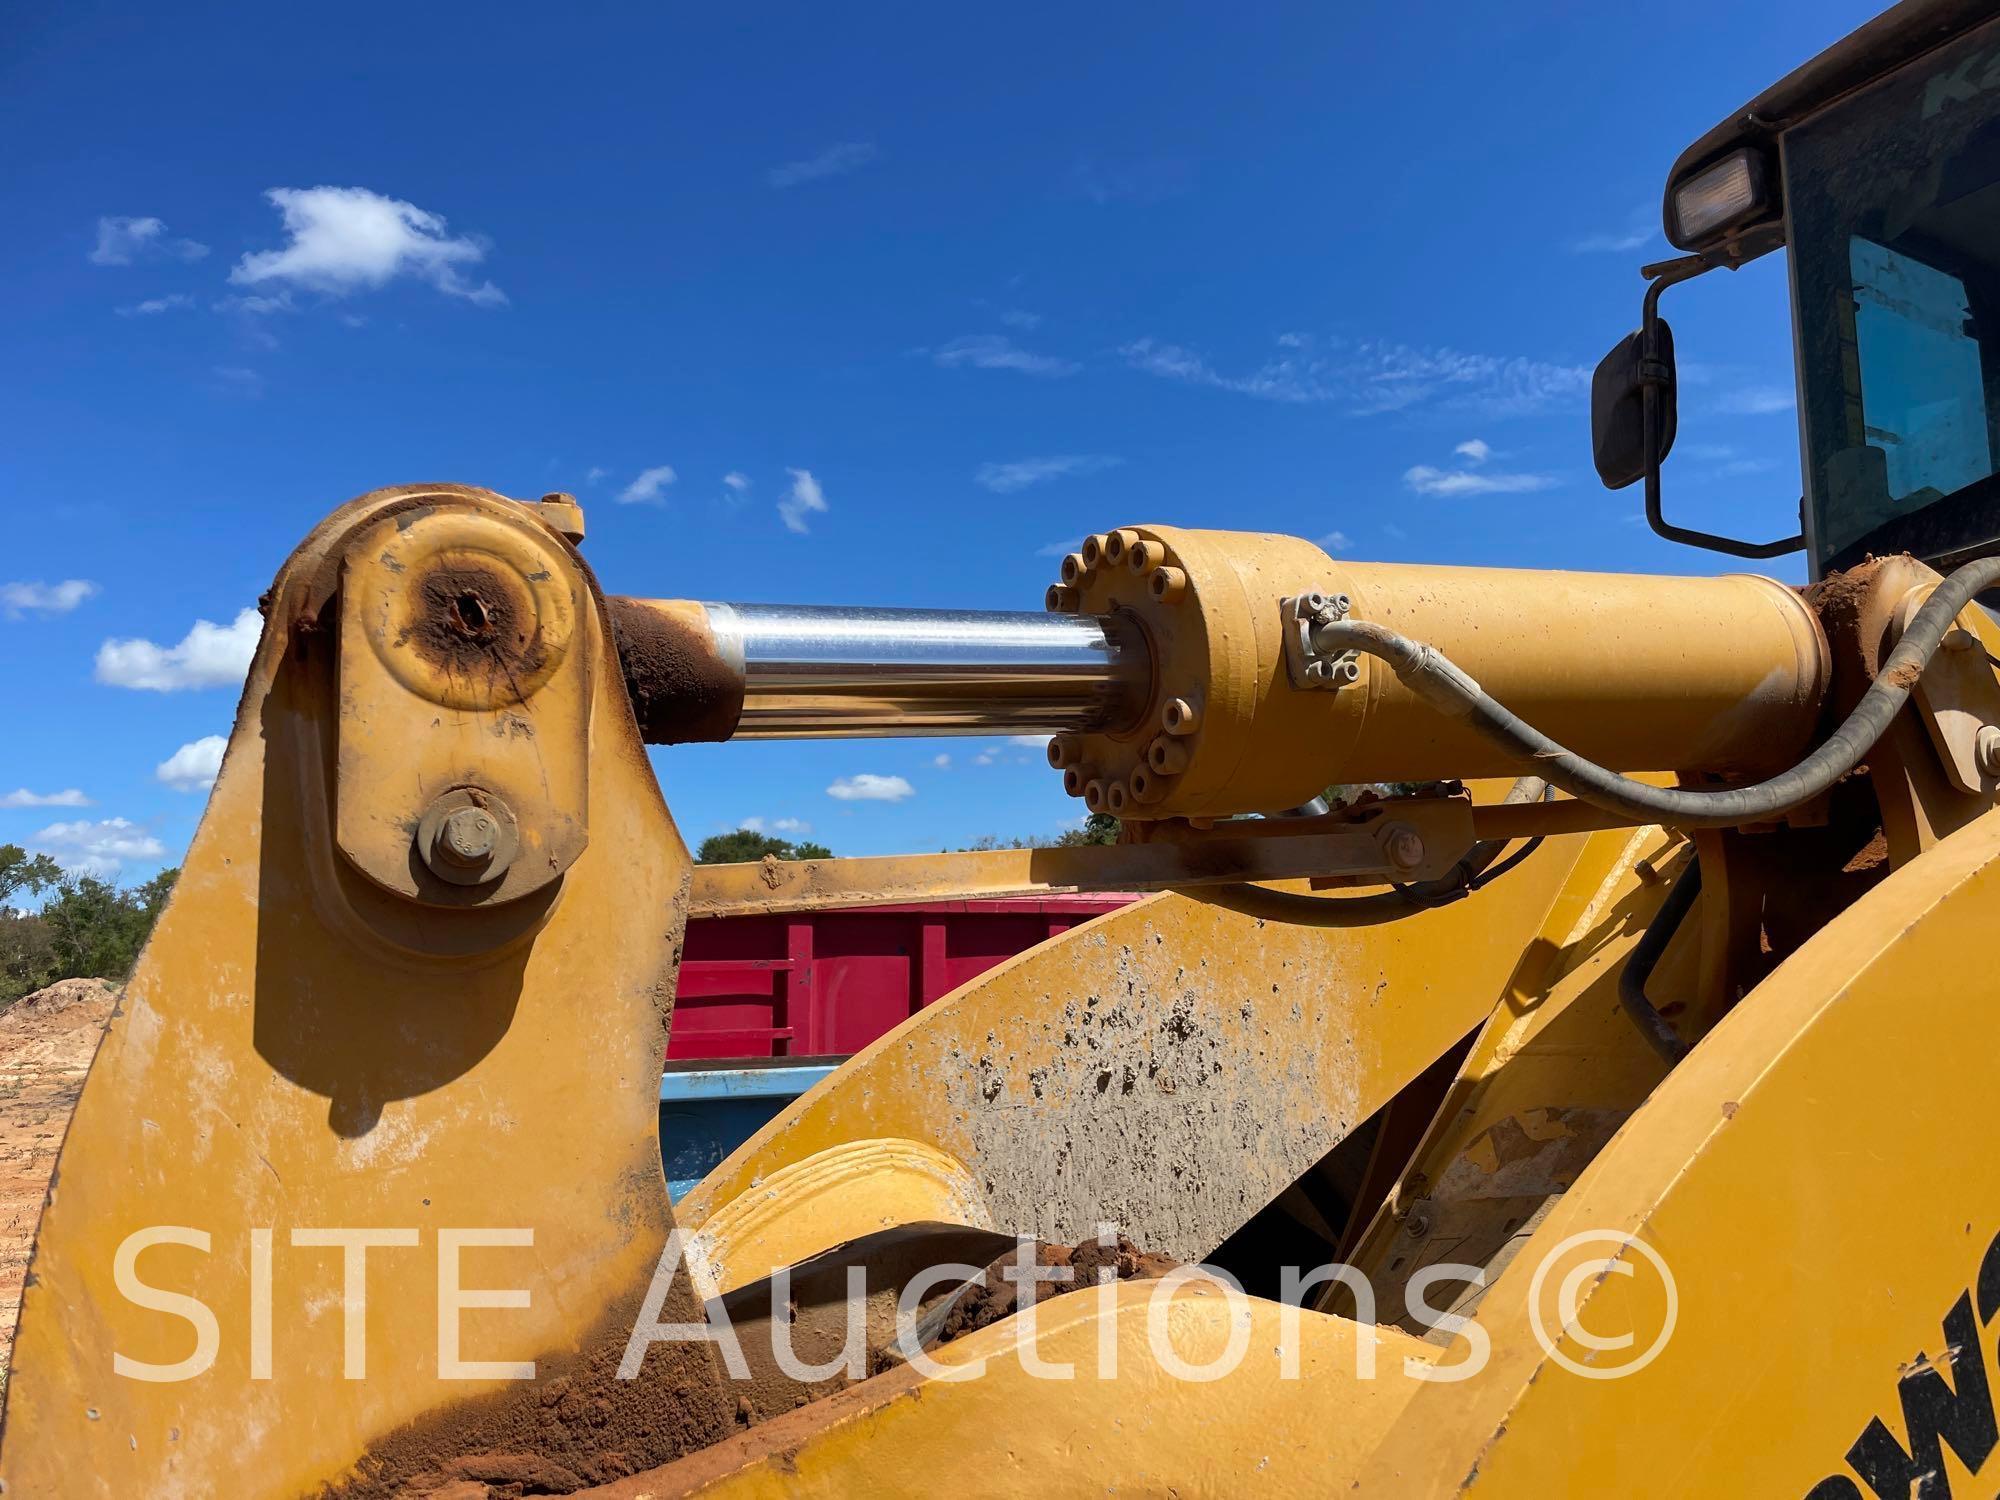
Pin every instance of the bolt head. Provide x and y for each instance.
(1986, 748)
(1405, 848)
(467, 837)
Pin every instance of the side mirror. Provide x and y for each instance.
(1618, 407)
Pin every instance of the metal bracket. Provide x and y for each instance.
(1305, 663)
(1958, 700)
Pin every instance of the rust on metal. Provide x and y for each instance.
(474, 620)
(682, 690)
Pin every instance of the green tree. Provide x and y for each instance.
(1098, 828)
(22, 871)
(746, 845)
(86, 929)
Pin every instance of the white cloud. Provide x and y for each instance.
(868, 787)
(1335, 541)
(1060, 549)
(1037, 741)
(1474, 449)
(121, 241)
(649, 488)
(348, 239)
(193, 767)
(1758, 400)
(1027, 322)
(22, 797)
(154, 305)
(1425, 480)
(737, 480)
(209, 655)
(1642, 225)
(257, 305)
(1004, 479)
(775, 825)
(1372, 377)
(993, 351)
(99, 848)
(834, 161)
(806, 499)
(17, 599)
(942, 762)
(1394, 532)
(595, 474)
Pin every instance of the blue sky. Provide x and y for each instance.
(989, 279)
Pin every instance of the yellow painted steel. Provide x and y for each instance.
(1289, 1420)
(1638, 673)
(1172, 1066)
(300, 1051)
(1818, 1177)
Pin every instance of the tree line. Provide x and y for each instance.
(86, 928)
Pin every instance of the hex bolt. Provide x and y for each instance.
(1116, 543)
(1169, 757)
(467, 836)
(1168, 585)
(1986, 749)
(1404, 846)
(1179, 717)
(1143, 557)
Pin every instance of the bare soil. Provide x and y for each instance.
(47, 1040)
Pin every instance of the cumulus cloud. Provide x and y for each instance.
(994, 351)
(737, 481)
(806, 499)
(122, 241)
(348, 239)
(595, 474)
(18, 599)
(209, 655)
(153, 305)
(775, 825)
(1004, 479)
(868, 787)
(96, 848)
(650, 488)
(834, 161)
(1425, 480)
(941, 761)
(22, 797)
(1371, 378)
(193, 767)
(1474, 449)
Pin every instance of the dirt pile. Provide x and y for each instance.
(47, 1040)
(995, 1295)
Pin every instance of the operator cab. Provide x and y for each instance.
(1878, 165)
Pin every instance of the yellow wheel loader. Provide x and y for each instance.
(1611, 1115)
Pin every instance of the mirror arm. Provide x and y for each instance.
(1655, 375)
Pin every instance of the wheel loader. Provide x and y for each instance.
(1611, 1114)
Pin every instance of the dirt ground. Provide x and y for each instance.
(46, 1042)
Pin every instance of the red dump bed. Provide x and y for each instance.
(814, 984)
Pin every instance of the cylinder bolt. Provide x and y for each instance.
(1093, 550)
(1168, 585)
(1168, 757)
(1145, 556)
(1093, 793)
(1074, 568)
(1986, 749)
(1179, 717)
(1060, 599)
(467, 837)
(1404, 846)
(1116, 544)
(1064, 750)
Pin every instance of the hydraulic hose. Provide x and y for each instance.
(1428, 672)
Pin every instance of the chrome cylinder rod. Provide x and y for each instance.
(772, 671)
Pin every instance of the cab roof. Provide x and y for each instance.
(1900, 34)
